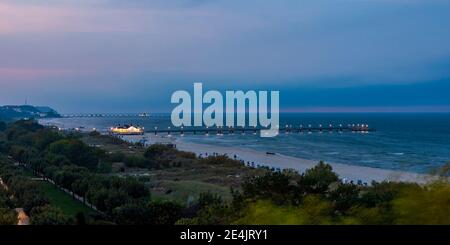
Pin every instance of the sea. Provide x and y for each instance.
(414, 142)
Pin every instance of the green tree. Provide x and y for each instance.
(47, 215)
(20, 153)
(134, 188)
(132, 214)
(67, 175)
(316, 180)
(8, 216)
(56, 159)
(115, 199)
(44, 137)
(76, 151)
(344, 197)
(273, 186)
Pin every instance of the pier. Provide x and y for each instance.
(110, 115)
(363, 128)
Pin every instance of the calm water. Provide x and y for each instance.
(411, 142)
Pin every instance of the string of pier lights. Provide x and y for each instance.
(360, 128)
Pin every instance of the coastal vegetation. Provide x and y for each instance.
(14, 112)
(61, 178)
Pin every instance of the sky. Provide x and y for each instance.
(131, 55)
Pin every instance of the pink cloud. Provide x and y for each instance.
(31, 73)
(171, 23)
(37, 18)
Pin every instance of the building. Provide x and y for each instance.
(127, 130)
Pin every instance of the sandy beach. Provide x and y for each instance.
(349, 172)
(345, 171)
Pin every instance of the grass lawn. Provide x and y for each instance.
(63, 200)
(59, 198)
(28, 173)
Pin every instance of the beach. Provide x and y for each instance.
(345, 171)
(414, 143)
(349, 172)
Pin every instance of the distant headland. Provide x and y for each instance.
(13, 112)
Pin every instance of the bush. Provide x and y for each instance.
(164, 213)
(136, 162)
(426, 205)
(313, 211)
(157, 150)
(116, 157)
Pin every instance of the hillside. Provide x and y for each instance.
(12, 112)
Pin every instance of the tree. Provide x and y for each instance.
(5, 201)
(31, 200)
(26, 192)
(68, 175)
(134, 188)
(47, 215)
(76, 151)
(211, 209)
(80, 187)
(132, 214)
(381, 194)
(316, 180)
(209, 199)
(8, 216)
(115, 199)
(19, 153)
(345, 196)
(273, 186)
(29, 125)
(45, 137)
(97, 197)
(107, 200)
(20, 128)
(56, 159)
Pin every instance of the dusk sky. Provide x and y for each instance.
(130, 55)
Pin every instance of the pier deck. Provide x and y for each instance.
(216, 130)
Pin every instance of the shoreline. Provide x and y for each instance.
(345, 171)
(349, 172)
